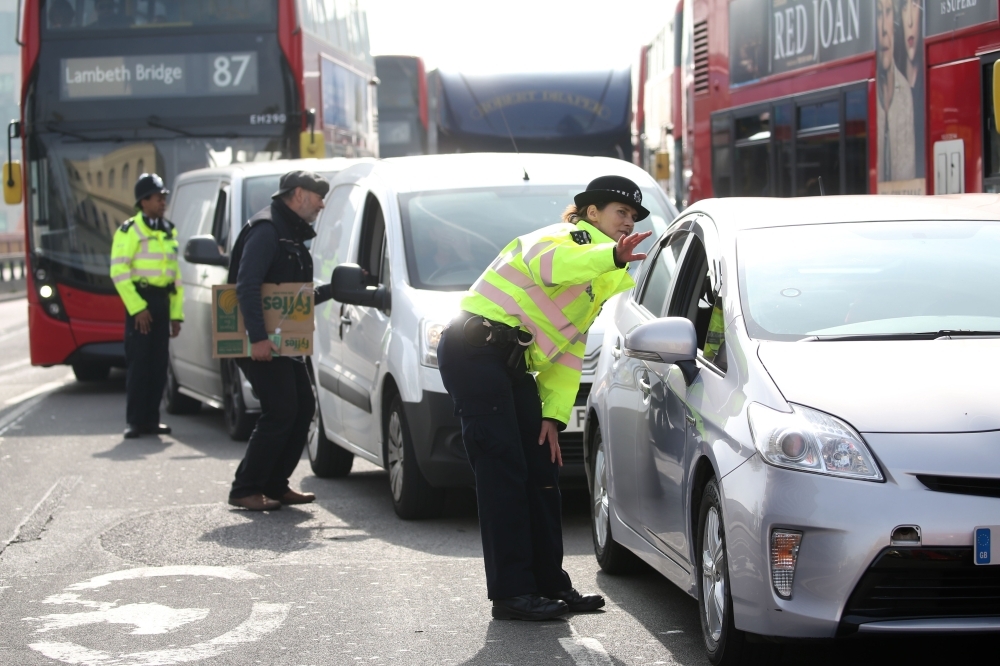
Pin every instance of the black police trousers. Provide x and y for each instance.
(146, 358)
(286, 409)
(517, 484)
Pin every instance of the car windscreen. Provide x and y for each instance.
(870, 279)
(451, 236)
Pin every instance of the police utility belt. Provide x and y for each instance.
(142, 285)
(480, 331)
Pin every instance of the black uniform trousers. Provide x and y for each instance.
(517, 484)
(146, 358)
(286, 410)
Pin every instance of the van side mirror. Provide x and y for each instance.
(668, 340)
(205, 250)
(348, 286)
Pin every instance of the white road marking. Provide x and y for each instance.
(16, 364)
(146, 618)
(38, 390)
(585, 651)
(227, 573)
(15, 415)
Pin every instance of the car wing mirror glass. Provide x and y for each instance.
(668, 340)
(205, 250)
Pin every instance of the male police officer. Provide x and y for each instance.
(145, 273)
(271, 249)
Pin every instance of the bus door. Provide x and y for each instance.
(954, 129)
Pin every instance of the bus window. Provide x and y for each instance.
(856, 141)
(783, 149)
(753, 139)
(117, 14)
(721, 164)
(817, 157)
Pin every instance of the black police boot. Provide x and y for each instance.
(132, 431)
(579, 603)
(528, 607)
(157, 429)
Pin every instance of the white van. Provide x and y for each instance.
(419, 231)
(216, 203)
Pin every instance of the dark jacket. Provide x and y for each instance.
(271, 248)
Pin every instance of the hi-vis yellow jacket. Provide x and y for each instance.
(553, 283)
(140, 256)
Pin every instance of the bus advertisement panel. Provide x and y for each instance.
(115, 88)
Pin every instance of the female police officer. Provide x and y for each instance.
(511, 361)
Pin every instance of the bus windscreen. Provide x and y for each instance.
(71, 15)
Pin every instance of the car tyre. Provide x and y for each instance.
(612, 557)
(174, 401)
(726, 645)
(327, 460)
(412, 496)
(91, 372)
(239, 423)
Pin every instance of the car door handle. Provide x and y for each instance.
(346, 321)
(644, 384)
(616, 351)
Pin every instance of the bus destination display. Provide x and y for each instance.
(174, 75)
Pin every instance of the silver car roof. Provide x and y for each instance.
(270, 168)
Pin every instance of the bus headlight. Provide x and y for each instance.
(46, 291)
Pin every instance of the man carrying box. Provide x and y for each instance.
(271, 249)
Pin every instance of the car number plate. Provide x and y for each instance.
(983, 538)
(576, 419)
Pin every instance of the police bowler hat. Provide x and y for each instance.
(307, 180)
(148, 185)
(612, 188)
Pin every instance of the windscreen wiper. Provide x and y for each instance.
(80, 137)
(944, 334)
(154, 121)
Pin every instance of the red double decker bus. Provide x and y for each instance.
(810, 97)
(114, 88)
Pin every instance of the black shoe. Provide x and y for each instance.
(579, 603)
(157, 429)
(132, 431)
(528, 607)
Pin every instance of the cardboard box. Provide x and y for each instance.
(289, 319)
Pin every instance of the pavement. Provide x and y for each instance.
(124, 552)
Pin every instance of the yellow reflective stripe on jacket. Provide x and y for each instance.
(554, 287)
(140, 254)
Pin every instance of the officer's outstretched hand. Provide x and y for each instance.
(626, 244)
(261, 350)
(175, 328)
(550, 434)
(143, 322)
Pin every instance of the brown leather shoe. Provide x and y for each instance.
(256, 503)
(292, 497)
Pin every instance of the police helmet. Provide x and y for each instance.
(612, 188)
(148, 185)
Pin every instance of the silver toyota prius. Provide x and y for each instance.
(796, 418)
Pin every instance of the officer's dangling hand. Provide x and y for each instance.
(175, 328)
(626, 244)
(550, 434)
(143, 322)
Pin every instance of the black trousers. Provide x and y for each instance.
(286, 409)
(146, 358)
(517, 484)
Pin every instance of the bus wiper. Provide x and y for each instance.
(80, 137)
(944, 334)
(154, 121)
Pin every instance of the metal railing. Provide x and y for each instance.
(11, 266)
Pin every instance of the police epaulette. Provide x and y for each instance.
(127, 224)
(580, 237)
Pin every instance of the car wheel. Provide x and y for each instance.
(612, 557)
(328, 461)
(726, 645)
(91, 372)
(412, 496)
(174, 401)
(239, 423)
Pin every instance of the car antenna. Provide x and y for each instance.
(822, 190)
(511, 135)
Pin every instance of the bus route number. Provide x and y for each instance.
(268, 119)
(230, 70)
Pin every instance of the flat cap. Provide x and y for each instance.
(307, 180)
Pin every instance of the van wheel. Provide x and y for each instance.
(91, 372)
(726, 645)
(239, 423)
(412, 496)
(328, 461)
(174, 401)
(612, 557)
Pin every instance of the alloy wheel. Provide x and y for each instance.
(713, 578)
(394, 454)
(600, 498)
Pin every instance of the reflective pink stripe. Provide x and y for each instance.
(148, 272)
(149, 255)
(551, 312)
(570, 361)
(570, 295)
(514, 276)
(536, 250)
(120, 260)
(545, 269)
(511, 307)
(121, 278)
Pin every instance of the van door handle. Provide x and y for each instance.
(346, 321)
(616, 350)
(644, 384)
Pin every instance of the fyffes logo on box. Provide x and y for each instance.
(294, 307)
(298, 344)
(227, 312)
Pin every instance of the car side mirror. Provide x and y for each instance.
(348, 286)
(667, 340)
(205, 250)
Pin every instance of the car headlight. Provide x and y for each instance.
(430, 336)
(811, 441)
